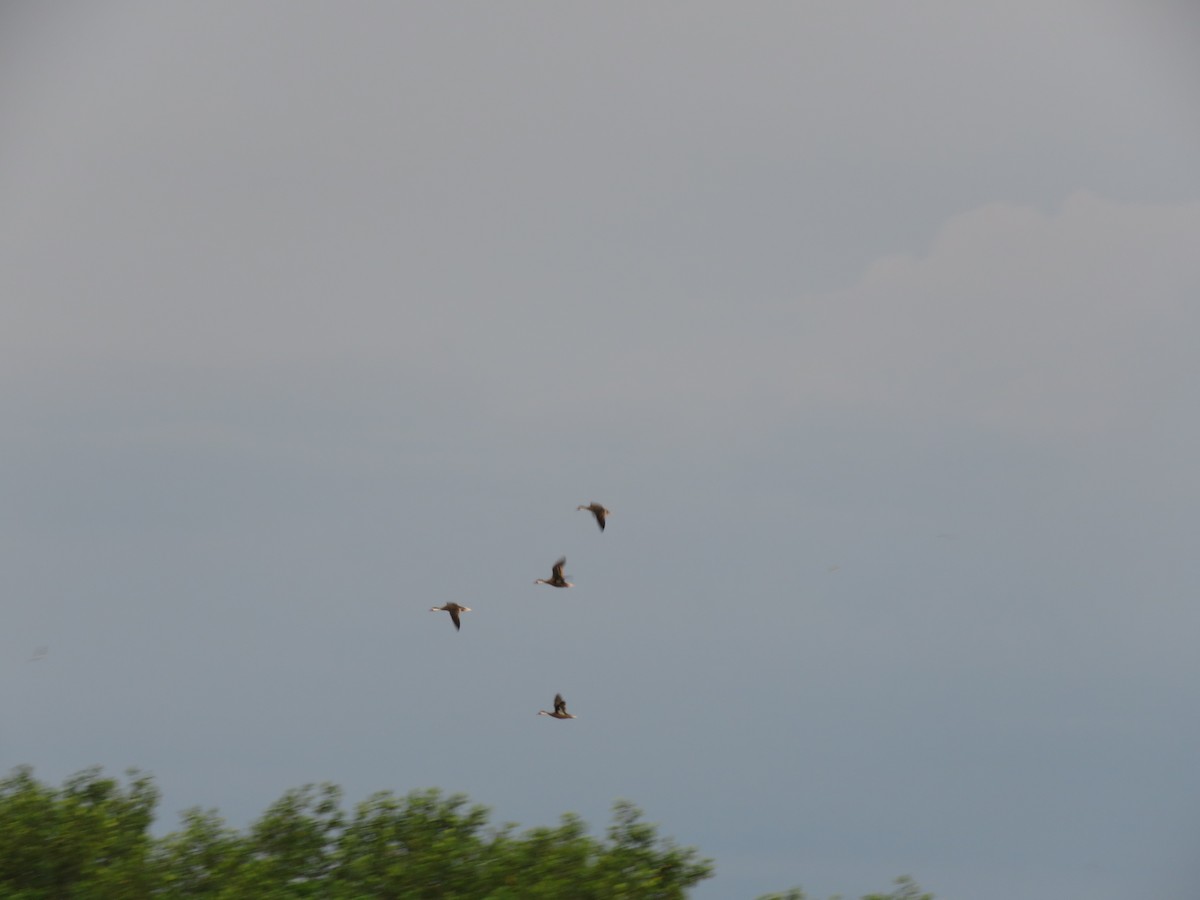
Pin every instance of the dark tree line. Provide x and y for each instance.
(90, 840)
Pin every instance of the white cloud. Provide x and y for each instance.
(1077, 322)
(1021, 320)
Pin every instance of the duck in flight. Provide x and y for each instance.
(556, 578)
(560, 709)
(454, 609)
(598, 511)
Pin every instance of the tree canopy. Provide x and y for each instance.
(906, 889)
(90, 840)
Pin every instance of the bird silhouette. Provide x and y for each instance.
(598, 511)
(560, 709)
(454, 609)
(556, 578)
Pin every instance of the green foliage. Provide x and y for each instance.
(422, 845)
(90, 840)
(906, 889)
(87, 839)
(202, 860)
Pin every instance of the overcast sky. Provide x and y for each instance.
(875, 325)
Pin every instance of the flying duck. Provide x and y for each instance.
(598, 511)
(556, 578)
(454, 609)
(560, 709)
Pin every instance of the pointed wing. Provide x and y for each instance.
(558, 569)
(454, 617)
(597, 510)
(560, 705)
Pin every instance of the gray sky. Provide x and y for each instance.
(874, 325)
